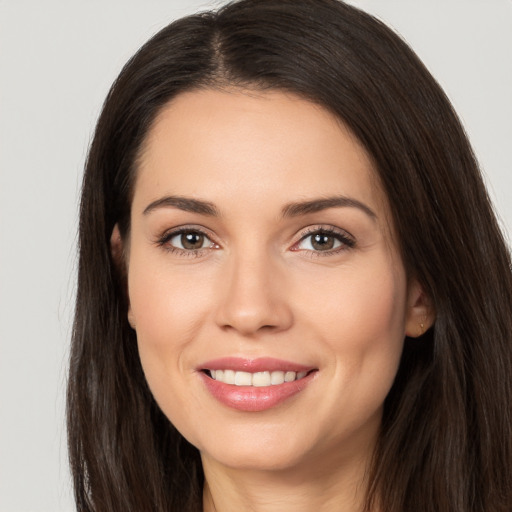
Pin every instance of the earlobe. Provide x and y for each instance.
(420, 312)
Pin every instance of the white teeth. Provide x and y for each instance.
(243, 378)
(229, 377)
(276, 378)
(258, 379)
(290, 376)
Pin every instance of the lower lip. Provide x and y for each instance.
(254, 399)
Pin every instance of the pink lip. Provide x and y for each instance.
(239, 364)
(249, 398)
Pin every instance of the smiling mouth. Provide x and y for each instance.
(256, 379)
(255, 385)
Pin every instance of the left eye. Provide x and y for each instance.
(190, 241)
(321, 241)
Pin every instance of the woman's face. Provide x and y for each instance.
(265, 286)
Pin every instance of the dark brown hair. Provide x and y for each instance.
(446, 439)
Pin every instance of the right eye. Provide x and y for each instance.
(189, 240)
(186, 242)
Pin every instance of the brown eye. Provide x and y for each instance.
(326, 241)
(322, 242)
(190, 241)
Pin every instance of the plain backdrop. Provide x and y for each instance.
(57, 61)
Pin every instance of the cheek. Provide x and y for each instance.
(360, 304)
(377, 307)
(164, 299)
(362, 321)
(168, 308)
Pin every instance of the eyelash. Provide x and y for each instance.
(346, 241)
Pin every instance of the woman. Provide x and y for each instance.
(293, 293)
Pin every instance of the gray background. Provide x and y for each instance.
(57, 60)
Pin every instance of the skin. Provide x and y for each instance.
(259, 288)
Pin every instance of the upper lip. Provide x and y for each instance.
(240, 364)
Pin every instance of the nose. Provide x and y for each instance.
(254, 297)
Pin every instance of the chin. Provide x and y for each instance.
(258, 448)
(254, 459)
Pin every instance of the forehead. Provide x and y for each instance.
(256, 147)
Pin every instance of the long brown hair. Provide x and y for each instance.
(446, 438)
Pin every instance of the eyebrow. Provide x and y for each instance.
(294, 209)
(186, 204)
(317, 205)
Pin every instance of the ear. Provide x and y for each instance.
(118, 256)
(116, 249)
(420, 313)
